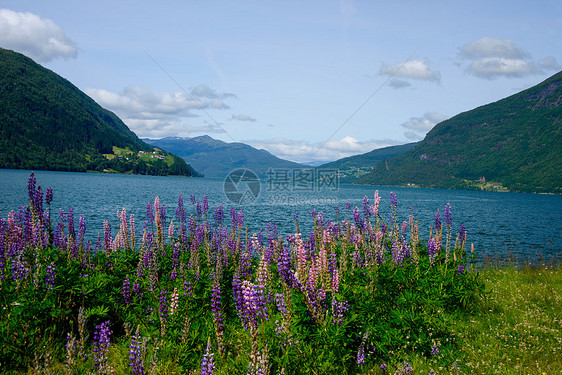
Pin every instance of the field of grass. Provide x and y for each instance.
(193, 293)
(516, 329)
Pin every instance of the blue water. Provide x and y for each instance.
(499, 224)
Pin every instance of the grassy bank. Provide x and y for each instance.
(516, 329)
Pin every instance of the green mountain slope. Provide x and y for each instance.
(48, 123)
(214, 158)
(515, 142)
(353, 167)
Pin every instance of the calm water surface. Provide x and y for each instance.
(499, 224)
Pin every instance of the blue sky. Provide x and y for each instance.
(305, 80)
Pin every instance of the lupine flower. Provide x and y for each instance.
(434, 350)
(163, 305)
(208, 362)
(361, 351)
(49, 196)
(338, 311)
(136, 354)
(383, 367)
(127, 290)
(366, 210)
(408, 369)
(393, 201)
(448, 216)
(50, 276)
(174, 301)
(460, 269)
(462, 233)
(71, 352)
(432, 249)
(205, 205)
(106, 236)
(357, 217)
(102, 336)
(437, 220)
(219, 216)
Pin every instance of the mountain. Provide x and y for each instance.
(214, 158)
(48, 123)
(353, 167)
(514, 143)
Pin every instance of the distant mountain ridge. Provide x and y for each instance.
(514, 143)
(215, 158)
(353, 167)
(47, 123)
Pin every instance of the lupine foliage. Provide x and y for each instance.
(206, 297)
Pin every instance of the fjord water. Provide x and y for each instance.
(499, 224)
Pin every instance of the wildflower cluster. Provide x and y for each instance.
(348, 294)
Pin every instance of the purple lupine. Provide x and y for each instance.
(434, 350)
(460, 269)
(102, 340)
(408, 369)
(240, 218)
(81, 230)
(219, 216)
(19, 270)
(199, 210)
(136, 289)
(437, 220)
(357, 217)
(70, 223)
(462, 233)
(127, 290)
(106, 236)
(348, 206)
(366, 211)
(448, 216)
(50, 276)
(192, 225)
(136, 354)
(149, 213)
(361, 351)
(205, 205)
(216, 307)
(49, 196)
(383, 367)
(393, 201)
(338, 311)
(208, 362)
(397, 253)
(432, 249)
(31, 187)
(164, 305)
(281, 304)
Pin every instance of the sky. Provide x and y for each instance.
(309, 81)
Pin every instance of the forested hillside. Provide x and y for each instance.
(514, 143)
(48, 123)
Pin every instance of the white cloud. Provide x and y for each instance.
(414, 69)
(419, 126)
(487, 47)
(493, 57)
(155, 114)
(242, 118)
(306, 152)
(36, 37)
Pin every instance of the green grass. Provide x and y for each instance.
(517, 328)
